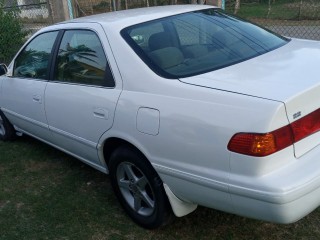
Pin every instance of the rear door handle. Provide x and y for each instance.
(37, 98)
(101, 113)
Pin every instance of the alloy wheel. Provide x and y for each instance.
(135, 189)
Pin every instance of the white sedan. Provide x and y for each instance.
(181, 105)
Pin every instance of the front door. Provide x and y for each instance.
(80, 101)
(22, 98)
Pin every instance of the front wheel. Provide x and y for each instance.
(7, 131)
(139, 188)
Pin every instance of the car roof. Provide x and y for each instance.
(121, 19)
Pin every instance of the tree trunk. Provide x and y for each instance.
(114, 7)
(118, 5)
(237, 6)
(219, 3)
(269, 8)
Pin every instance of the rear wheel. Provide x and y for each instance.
(7, 131)
(139, 188)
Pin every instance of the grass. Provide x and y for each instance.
(280, 10)
(45, 194)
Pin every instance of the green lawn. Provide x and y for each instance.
(280, 9)
(45, 194)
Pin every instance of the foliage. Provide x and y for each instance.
(102, 4)
(12, 34)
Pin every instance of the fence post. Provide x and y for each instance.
(300, 6)
(70, 7)
(223, 4)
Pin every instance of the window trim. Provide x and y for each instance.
(108, 70)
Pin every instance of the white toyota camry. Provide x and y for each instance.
(181, 105)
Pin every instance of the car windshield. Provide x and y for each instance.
(197, 42)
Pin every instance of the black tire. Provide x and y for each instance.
(141, 193)
(7, 131)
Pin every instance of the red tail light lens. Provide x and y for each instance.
(306, 126)
(260, 145)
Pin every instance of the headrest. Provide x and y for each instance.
(159, 40)
(167, 57)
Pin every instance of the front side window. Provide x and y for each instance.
(81, 59)
(198, 42)
(33, 61)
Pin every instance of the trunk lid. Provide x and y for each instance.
(289, 74)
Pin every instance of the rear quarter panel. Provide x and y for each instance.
(195, 125)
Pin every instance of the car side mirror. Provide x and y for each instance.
(3, 69)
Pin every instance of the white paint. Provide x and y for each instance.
(184, 129)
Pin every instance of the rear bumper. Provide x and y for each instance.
(288, 212)
(283, 196)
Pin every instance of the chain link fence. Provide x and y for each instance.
(89, 7)
(33, 14)
(293, 18)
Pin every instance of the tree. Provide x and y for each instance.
(12, 34)
(237, 6)
(118, 5)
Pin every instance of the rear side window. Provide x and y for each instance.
(33, 61)
(198, 42)
(81, 59)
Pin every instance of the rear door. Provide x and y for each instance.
(80, 101)
(23, 89)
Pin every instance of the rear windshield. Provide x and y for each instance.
(197, 42)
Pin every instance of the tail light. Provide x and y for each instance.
(264, 144)
(306, 126)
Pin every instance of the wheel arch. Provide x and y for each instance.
(113, 143)
(180, 208)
